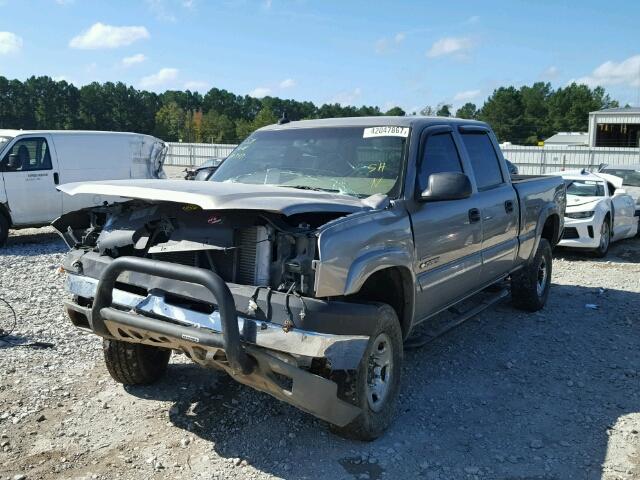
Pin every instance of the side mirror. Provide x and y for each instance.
(13, 162)
(447, 186)
(620, 191)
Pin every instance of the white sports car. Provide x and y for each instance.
(598, 211)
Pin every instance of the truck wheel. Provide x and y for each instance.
(605, 239)
(134, 363)
(375, 385)
(530, 285)
(4, 230)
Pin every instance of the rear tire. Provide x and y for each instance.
(605, 239)
(375, 385)
(530, 285)
(4, 230)
(134, 363)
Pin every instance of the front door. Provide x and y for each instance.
(30, 181)
(498, 204)
(447, 234)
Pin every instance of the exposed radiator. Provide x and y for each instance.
(254, 256)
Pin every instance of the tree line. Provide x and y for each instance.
(524, 116)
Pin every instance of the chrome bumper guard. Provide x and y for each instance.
(342, 351)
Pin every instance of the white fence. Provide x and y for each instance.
(530, 160)
(194, 154)
(536, 160)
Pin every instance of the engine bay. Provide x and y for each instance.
(243, 247)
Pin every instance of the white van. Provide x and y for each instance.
(33, 163)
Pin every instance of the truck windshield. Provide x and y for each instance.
(585, 188)
(357, 161)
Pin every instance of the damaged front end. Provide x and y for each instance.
(232, 290)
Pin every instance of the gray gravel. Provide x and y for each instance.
(552, 395)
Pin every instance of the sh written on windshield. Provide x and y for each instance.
(355, 161)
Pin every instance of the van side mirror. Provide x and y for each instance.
(13, 161)
(447, 186)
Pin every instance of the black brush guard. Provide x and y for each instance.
(228, 339)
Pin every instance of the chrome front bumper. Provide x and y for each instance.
(342, 351)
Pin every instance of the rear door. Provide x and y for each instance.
(30, 176)
(447, 234)
(497, 201)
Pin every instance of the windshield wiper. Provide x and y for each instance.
(307, 187)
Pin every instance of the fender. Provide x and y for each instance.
(545, 213)
(372, 261)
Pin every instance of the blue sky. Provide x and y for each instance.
(407, 53)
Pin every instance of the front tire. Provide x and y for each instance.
(605, 239)
(530, 285)
(4, 230)
(134, 363)
(375, 385)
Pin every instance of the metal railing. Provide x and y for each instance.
(530, 160)
(547, 159)
(194, 154)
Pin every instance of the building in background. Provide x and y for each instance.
(568, 139)
(615, 127)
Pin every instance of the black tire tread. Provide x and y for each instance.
(370, 425)
(598, 252)
(524, 294)
(4, 230)
(134, 363)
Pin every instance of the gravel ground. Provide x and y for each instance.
(507, 395)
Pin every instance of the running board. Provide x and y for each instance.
(438, 328)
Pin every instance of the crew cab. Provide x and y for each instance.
(310, 256)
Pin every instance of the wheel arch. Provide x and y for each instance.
(394, 286)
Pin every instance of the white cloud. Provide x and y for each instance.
(9, 43)
(466, 95)
(626, 72)
(450, 46)
(551, 72)
(385, 45)
(288, 83)
(347, 98)
(100, 35)
(133, 59)
(160, 10)
(162, 77)
(260, 92)
(196, 86)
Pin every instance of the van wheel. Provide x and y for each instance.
(4, 230)
(530, 285)
(134, 363)
(605, 239)
(375, 385)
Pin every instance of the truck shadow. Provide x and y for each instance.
(506, 395)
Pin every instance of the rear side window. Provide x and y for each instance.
(440, 155)
(28, 155)
(484, 160)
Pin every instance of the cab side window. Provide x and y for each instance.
(484, 160)
(439, 155)
(27, 155)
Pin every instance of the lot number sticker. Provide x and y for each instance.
(388, 131)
